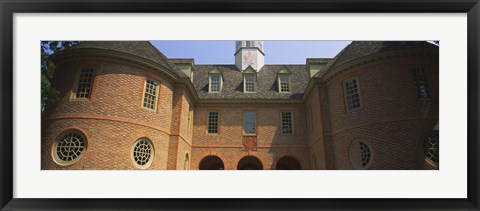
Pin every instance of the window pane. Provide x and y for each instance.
(284, 83)
(249, 83)
(150, 96)
(215, 83)
(249, 122)
(212, 122)
(84, 84)
(286, 118)
(352, 94)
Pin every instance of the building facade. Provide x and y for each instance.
(124, 105)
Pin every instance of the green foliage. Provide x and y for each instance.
(48, 93)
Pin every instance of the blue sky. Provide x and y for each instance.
(276, 52)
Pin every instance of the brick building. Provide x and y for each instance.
(124, 105)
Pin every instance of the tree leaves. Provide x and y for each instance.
(48, 93)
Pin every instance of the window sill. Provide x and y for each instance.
(80, 99)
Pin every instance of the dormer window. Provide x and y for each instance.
(284, 80)
(250, 83)
(215, 81)
(284, 83)
(249, 80)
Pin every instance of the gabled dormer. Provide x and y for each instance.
(284, 80)
(215, 81)
(249, 80)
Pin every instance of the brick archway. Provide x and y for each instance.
(253, 154)
(295, 156)
(199, 159)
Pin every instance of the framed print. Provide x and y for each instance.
(126, 114)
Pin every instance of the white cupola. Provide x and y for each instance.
(249, 53)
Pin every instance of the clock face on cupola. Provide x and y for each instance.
(249, 59)
(249, 53)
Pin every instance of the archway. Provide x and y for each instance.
(249, 163)
(287, 163)
(211, 163)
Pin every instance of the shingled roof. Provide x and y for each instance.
(142, 49)
(359, 49)
(266, 88)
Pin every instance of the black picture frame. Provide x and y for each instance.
(9, 7)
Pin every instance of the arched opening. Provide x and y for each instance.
(211, 163)
(249, 163)
(287, 163)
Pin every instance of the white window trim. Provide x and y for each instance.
(280, 85)
(254, 83)
(157, 90)
(293, 122)
(345, 94)
(210, 83)
(255, 122)
(76, 83)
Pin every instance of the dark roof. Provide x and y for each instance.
(318, 60)
(142, 49)
(359, 49)
(182, 61)
(267, 87)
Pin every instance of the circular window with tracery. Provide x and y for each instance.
(360, 155)
(431, 148)
(69, 147)
(142, 153)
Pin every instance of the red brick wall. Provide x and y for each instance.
(316, 132)
(271, 143)
(391, 118)
(113, 117)
(117, 91)
(109, 144)
(267, 155)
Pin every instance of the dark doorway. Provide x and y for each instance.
(287, 163)
(249, 163)
(211, 163)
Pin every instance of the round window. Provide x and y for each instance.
(69, 148)
(360, 155)
(431, 148)
(142, 153)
